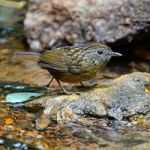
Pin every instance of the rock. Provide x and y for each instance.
(54, 23)
(120, 99)
(86, 134)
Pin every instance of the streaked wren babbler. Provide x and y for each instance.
(75, 64)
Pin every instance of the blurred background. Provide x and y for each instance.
(48, 24)
(39, 25)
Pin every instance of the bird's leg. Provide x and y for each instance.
(82, 84)
(64, 90)
(47, 85)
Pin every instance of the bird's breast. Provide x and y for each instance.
(75, 78)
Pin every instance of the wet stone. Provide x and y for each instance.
(119, 99)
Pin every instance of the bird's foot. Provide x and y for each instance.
(67, 92)
(48, 84)
(70, 92)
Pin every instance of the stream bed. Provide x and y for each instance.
(25, 80)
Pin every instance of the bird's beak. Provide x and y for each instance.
(115, 54)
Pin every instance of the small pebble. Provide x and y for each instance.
(9, 121)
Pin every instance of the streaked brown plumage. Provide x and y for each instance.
(75, 64)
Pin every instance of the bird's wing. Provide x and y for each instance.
(60, 59)
(54, 60)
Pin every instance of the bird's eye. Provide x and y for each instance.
(100, 52)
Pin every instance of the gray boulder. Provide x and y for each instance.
(54, 23)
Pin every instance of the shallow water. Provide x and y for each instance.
(17, 128)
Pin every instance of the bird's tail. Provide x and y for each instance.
(27, 55)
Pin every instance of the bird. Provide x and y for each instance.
(74, 64)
